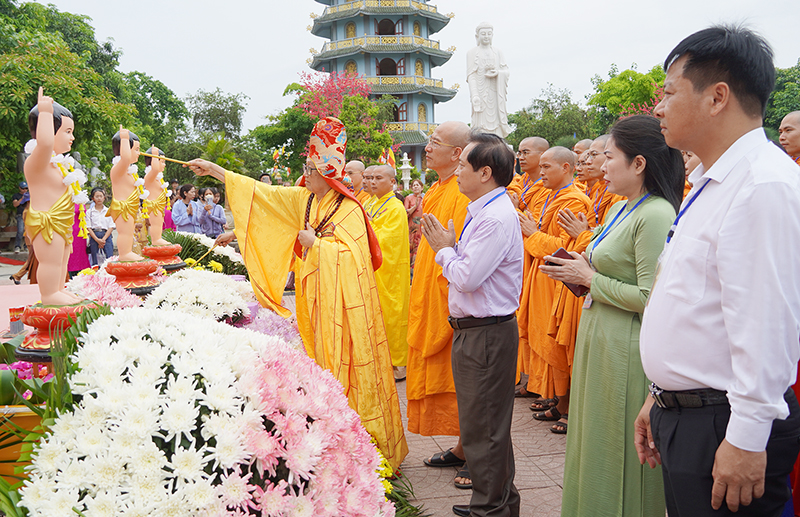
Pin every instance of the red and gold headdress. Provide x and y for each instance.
(326, 148)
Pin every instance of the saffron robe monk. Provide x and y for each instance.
(355, 170)
(527, 193)
(390, 223)
(546, 361)
(336, 253)
(432, 407)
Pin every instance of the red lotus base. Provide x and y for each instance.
(135, 276)
(47, 320)
(166, 256)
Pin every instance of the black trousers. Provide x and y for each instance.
(484, 367)
(688, 438)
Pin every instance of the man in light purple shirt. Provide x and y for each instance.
(484, 269)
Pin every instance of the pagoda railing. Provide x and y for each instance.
(359, 4)
(379, 40)
(425, 127)
(394, 80)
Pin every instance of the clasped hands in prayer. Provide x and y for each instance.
(436, 234)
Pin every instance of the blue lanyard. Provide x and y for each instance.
(544, 208)
(683, 211)
(484, 206)
(528, 185)
(597, 205)
(375, 213)
(608, 228)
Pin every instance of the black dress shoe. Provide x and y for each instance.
(461, 509)
(14, 279)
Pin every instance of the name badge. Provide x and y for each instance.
(587, 302)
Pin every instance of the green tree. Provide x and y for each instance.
(365, 120)
(217, 111)
(621, 91)
(552, 116)
(161, 114)
(222, 152)
(785, 98)
(36, 59)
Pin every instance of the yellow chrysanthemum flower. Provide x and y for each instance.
(215, 266)
(190, 261)
(86, 272)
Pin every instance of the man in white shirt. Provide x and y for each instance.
(483, 267)
(720, 334)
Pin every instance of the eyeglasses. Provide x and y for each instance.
(307, 170)
(434, 143)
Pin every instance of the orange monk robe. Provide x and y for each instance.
(548, 365)
(390, 222)
(338, 312)
(686, 188)
(432, 408)
(565, 313)
(602, 200)
(532, 195)
(362, 196)
(526, 189)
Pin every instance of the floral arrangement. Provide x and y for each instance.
(270, 323)
(102, 287)
(203, 293)
(178, 415)
(196, 246)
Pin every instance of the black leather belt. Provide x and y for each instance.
(469, 322)
(687, 399)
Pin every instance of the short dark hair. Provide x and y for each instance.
(147, 159)
(664, 172)
(116, 141)
(264, 174)
(733, 55)
(492, 151)
(59, 111)
(95, 191)
(184, 189)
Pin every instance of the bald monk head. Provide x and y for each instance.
(582, 146)
(530, 150)
(355, 170)
(790, 134)
(557, 165)
(383, 179)
(595, 160)
(445, 146)
(367, 180)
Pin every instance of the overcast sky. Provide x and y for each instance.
(257, 47)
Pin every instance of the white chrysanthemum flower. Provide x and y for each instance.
(189, 463)
(103, 504)
(160, 176)
(199, 494)
(145, 194)
(133, 169)
(92, 441)
(148, 169)
(30, 145)
(50, 457)
(59, 158)
(140, 420)
(138, 183)
(107, 470)
(179, 419)
(115, 160)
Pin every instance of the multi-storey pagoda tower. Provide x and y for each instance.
(388, 42)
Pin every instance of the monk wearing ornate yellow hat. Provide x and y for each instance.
(336, 254)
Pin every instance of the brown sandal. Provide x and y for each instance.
(543, 404)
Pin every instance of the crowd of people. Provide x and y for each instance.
(654, 327)
(584, 282)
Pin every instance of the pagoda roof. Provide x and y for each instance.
(439, 93)
(410, 138)
(381, 45)
(322, 23)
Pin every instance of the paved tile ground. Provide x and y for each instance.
(538, 455)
